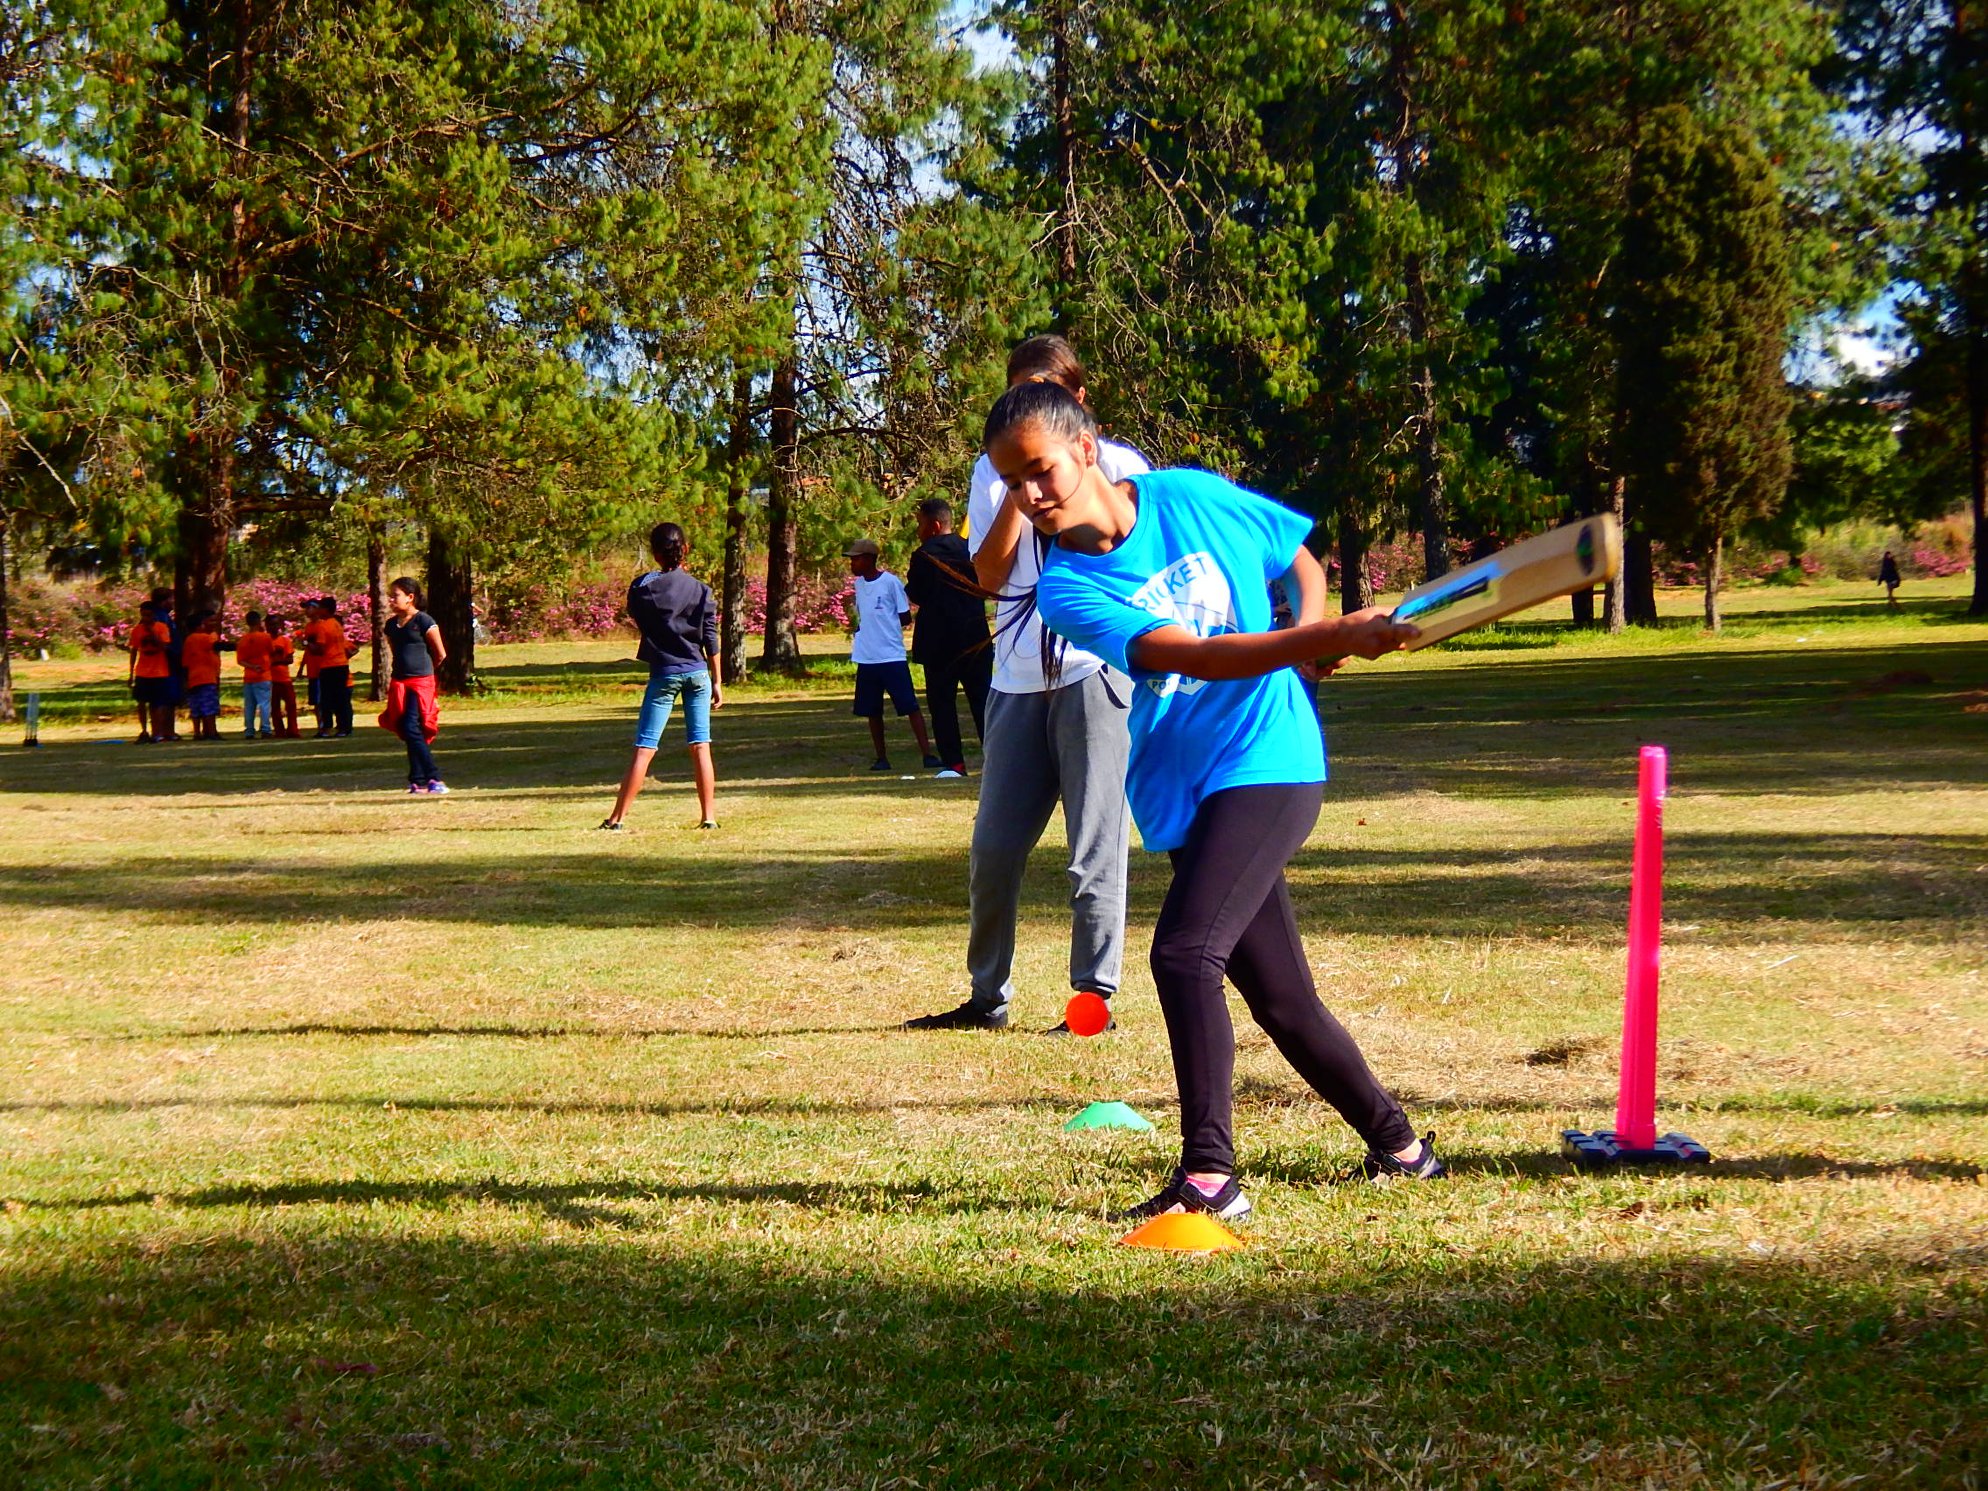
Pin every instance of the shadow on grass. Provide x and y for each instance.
(501, 1032)
(717, 1107)
(1789, 719)
(853, 1356)
(1548, 1162)
(583, 1203)
(1835, 883)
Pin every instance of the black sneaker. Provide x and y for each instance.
(612, 825)
(967, 1017)
(933, 763)
(882, 763)
(1427, 1166)
(1180, 1194)
(1062, 1027)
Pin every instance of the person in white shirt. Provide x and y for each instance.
(1056, 728)
(879, 613)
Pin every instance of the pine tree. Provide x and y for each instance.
(896, 299)
(1594, 72)
(1282, 217)
(1916, 74)
(1701, 332)
(73, 413)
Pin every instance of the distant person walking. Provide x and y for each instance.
(412, 712)
(949, 637)
(677, 618)
(1889, 577)
(1056, 729)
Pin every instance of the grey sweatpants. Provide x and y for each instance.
(1071, 743)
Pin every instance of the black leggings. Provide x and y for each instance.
(1228, 911)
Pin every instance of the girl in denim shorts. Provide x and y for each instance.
(678, 621)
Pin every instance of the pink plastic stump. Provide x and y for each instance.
(1634, 1138)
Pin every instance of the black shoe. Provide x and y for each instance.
(1427, 1166)
(342, 734)
(882, 763)
(966, 1017)
(1062, 1027)
(612, 825)
(1227, 1205)
(933, 763)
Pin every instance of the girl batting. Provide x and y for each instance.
(1166, 575)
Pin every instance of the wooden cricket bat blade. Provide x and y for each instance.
(1527, 574)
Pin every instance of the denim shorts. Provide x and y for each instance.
(664, 690)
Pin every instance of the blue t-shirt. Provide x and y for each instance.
(1201, 554)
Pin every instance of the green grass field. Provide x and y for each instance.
(357, 1140)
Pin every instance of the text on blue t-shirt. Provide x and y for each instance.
(1201, 555)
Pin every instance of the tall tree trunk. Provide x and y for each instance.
(1976, 324)
(1977, 454)
(738, 514)
(376, 607)
(1583, 606)
(450, 591)
(200, 570)
(1616, 597)
(1405, 160)
(782, 649)
(1639, 584)
(6, 621)
(1431, 502)
(207, 499)
(1967, 52)
(1356, 588)
(1063, 108)
(1715, 573)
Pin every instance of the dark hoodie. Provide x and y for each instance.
(678, 620)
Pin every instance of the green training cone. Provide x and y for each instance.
(1109, 1116)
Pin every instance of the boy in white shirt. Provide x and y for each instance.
(879, 615)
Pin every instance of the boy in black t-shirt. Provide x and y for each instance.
(949, 636)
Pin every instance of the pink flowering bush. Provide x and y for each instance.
(1394, 565)
(539, 609)
(820, 603)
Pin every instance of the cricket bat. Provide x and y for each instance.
(1527, 574)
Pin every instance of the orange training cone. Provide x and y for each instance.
(1183, 1232)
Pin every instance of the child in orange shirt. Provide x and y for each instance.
(282, 693)
(150, 642)
(252, 652)
(324, 643)
(200, 655)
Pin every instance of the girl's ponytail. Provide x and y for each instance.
(667, 543)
